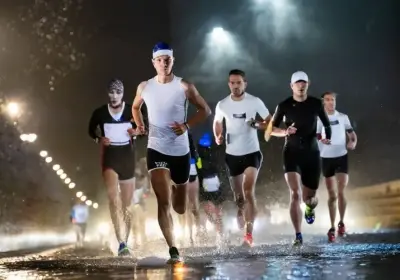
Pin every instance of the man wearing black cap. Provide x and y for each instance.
(116, 137)
(301, 158)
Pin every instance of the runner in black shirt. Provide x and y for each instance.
(116, 137)
(301, 158)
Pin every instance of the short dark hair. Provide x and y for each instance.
(238, 72)
(328, 93)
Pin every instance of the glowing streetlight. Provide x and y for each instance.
(13, 109)
(220, 36)
(83, 198)
(59, 172)
(71, 185)
(32, 137)
(79, 194)
(56, 167)
(49, 159)
(95, 205)
(63, 176)
(24, 137)
(28, 137)
(88, 202)
(43, 153)
(67, 181)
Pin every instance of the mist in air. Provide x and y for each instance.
(258, 30)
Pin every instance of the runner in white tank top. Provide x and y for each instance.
(168, 158)
(335, 162)
(243, 155)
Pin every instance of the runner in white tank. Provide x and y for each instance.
(168, 158)
(334, 160)
(243, 155)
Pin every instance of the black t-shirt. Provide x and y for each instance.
(102, 118)
(304, 115)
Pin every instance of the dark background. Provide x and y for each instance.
(57, 56)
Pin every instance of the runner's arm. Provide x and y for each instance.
(218, 119)
(276, 122)
(319, 129)
(137, 104)
(93, 125)
(203, 110)
(263, 111)
(350, 131)
(325, 121)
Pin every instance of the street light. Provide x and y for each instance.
(67, 181)
(49, 159)
(88, 202)
(79, 194)
(63, 176)
(43, 154)
(71, 185)
(83, 198)
(24, 137)
(32, 137)
(13, 109)
(95, 205)
(59, 172)
(56, 167)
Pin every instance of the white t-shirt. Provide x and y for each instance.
(241, 139)
(80, 213)
(340, 123)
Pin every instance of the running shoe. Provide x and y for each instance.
(123, 250)
(248, 240)
(341, 229)
(174, 256)
(309, 215)
(331, 235)
(299, 240)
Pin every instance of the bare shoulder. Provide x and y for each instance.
(141, 86)
(187, 86)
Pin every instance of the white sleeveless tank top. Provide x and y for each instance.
(166, 104)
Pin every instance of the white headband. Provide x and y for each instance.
(162, 52)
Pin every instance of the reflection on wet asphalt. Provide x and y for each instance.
(373, 256)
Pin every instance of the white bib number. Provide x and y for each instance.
(211, 184)
(193, 170)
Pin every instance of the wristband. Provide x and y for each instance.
(187, 126)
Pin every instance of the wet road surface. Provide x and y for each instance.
(359, 256)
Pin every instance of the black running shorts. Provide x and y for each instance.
(238, 164)
(121, 159)
(331, 166)
(306, 162)
(178, 166)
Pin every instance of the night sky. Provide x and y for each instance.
(57, 56)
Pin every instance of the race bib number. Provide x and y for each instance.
(193, 170)
(211, 184)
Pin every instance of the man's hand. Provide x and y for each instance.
(325, 141)
(252, 123)
(219, 140)
(351, 145)
(105, 141)
(140, 130)
(179, 128)
(291, 130)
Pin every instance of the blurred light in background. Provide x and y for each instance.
(43, 154)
